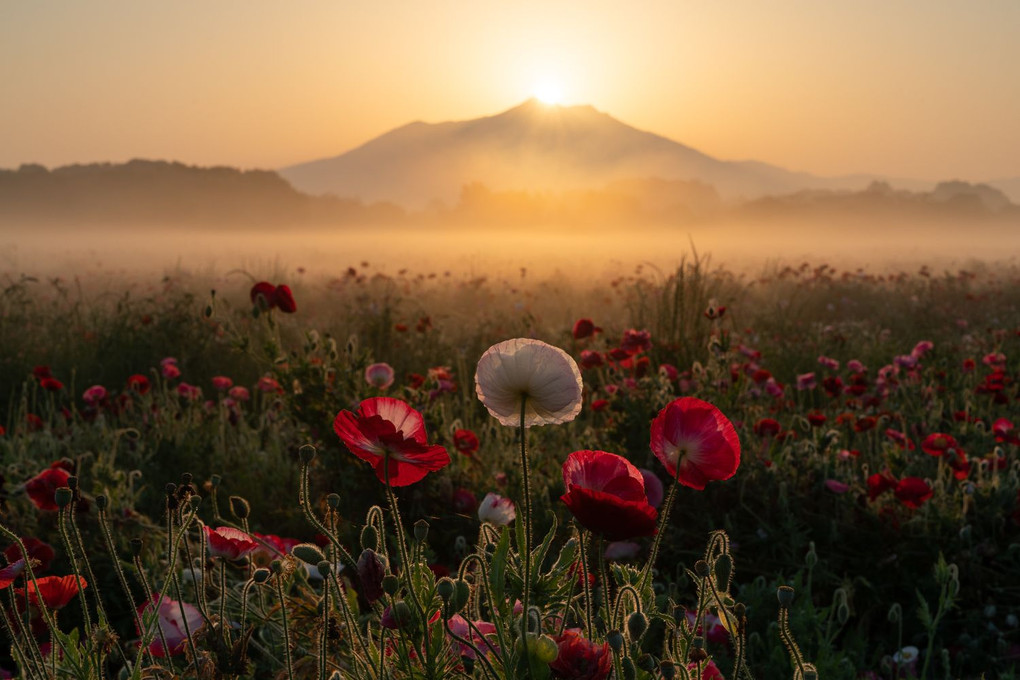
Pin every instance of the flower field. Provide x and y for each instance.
(695, 474)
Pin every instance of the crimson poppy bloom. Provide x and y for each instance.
(37, 550)
(938, 443)
(635, 341)
(40, 489)
(913, 492)
(606, 494)
(229, 543)
(51, 384)
(466, 442)
(581, 659)
(138, 383)
(879, 483)
(263, 295)
(591, 359)
(56, 591)
(386, 429)
(284, 299)
(584, 328)
(767, 427)
(695, 442)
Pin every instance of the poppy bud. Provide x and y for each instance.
(785, 595)
(325, 568)
(260, 575)
(214, 480)
(63, 496)
(333, 501)
(402, 614)
(369, 538)
(371, 571)
(629, 671)
(186, 478)
(637, 624)
(667, 669)
(723, 570)
(615, 640)
(697, 654)
(170, 488)
(739, 610)
(307, 552)
(546, 649)
(239, 507)
(646, 662)
(101, 502)
(701, 568)
(276, 566)
(194, 502)
(462, 593)
(307, 453)
(390, 584)
(421, 530)
(445, 588)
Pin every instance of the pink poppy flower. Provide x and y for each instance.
(379, 375)
(221, 383)
(94, 394)
(37, 550)
(170, 371)
(695, 442)
(10, 573)
(389, 429)
(267, 384)
(836, 486)
(238, 393)
(459, 626)
(806, 381)
(172, 616)
(653, 487)
(606, 494)
(229, 543)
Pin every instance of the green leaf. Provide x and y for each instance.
(497, 567)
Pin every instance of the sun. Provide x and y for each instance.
(548, 91)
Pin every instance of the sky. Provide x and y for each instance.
(925, 89)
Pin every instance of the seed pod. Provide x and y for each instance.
(307, 453)
(63, 497)
(101, 502)
(785, 595)
(445, 588)
(260, 575)
(333, 501)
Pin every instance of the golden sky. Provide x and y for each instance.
(914, 88)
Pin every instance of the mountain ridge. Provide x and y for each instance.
(534, 146)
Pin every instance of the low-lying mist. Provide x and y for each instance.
(577, 253)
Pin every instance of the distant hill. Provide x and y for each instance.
(158, 192)
(1009, 186)
(535, 147)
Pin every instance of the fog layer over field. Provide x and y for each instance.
(480, 251)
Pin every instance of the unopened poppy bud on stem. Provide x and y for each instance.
(260, 575)
(390, 584)
(101, 502)
(63, 496)
(307, 453)
(421, 530)
(240, 507)
(369, 538)
(308, 552)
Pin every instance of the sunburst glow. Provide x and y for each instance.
(548, 91)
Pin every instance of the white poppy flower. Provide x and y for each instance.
(497, 510)
(524, 368)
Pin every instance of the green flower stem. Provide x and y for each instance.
(148, 598)
(352, 624)
(405, 563)
(493, 605)
(305, 503)
(607, 595)
(525, 550)
(589, 630)
(646, 573)
(324, 634)
(104, 527)
(172, 574)
(30, 669)
(75, 567)
(286, 627)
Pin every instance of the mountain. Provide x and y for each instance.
(142, 192)
(534, 147)
(1009, 186)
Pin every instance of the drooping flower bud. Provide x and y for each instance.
(240, 507)
(308, 552)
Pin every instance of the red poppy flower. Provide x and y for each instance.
(591, 359)
(695, 442)
(229, 542)
(581, 659)
(865, 423)
(284, 299)
(56, 591)
(635, 342)
(879, 483)
(899, 438)
(913, 491)
(816, 418)
(51, 384)
(959, 464)
(41, 372)
(40, 489)
(37, 550)
(466, 442)
(139, 383)
(607, 495)
(936, 444)
(262, 294)
(767, 427)
(584, 328)
(386, 428)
